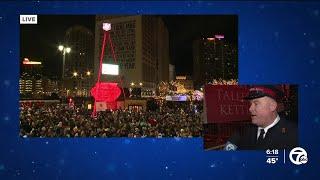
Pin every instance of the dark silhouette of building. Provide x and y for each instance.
(213, 58)
(79, 62)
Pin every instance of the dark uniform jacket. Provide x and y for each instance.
(284, 135)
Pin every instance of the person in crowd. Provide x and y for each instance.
(64, 121)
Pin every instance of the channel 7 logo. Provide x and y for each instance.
(298, 156)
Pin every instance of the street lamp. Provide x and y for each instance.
(81, 81)
(60, 47)
(64, 50)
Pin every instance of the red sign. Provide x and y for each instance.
(105, 92)
(225, 103)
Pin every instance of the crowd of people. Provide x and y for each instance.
(61, 120)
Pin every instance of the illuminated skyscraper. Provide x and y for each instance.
(213, 58)
(30, 82)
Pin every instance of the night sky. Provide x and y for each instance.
(39, 42)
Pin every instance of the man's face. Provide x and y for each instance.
(262, 111)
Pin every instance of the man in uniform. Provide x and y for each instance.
(268, 130)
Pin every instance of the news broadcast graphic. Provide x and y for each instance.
(297, 156)
(272, 156)
(277, 43)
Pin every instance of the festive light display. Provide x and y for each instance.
(106, 92)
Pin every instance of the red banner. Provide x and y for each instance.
(225, 103)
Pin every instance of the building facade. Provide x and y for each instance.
(141, 46)
(213, 58)
(32, 83)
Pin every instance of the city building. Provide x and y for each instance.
(79, 63)
(141, 46)
(213, 58)
(32, 83)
